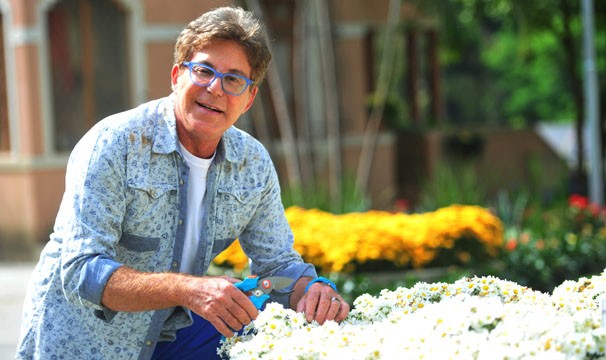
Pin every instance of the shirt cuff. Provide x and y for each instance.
(93, 278)
(294, 272)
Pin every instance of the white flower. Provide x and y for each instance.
(473, 318)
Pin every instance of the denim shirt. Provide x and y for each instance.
(124, 204)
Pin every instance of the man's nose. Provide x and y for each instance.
(215, 86)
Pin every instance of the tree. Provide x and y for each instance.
(528, 54)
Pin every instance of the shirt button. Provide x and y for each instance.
(149, 342)
(180, 221)
(180, 181)
(175, 264)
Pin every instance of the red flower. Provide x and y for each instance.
(511, 245)
(402, 205)
(594, 209)
(578, 201)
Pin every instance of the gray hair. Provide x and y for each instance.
(227, 23)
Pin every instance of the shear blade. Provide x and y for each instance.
(274, 283)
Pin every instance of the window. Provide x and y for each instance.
(88, 65)
(4, 134)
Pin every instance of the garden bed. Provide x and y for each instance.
(471, 318)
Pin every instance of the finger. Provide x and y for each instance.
(301, 304)
(322, 309)
(230, 279)
(311, 303)
(231, 321)
(334, 308)
(310, 306)
(343, 311)
(245, 311)
(221, 327)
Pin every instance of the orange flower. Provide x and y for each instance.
(511, 245)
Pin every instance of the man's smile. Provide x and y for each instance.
(209, 107)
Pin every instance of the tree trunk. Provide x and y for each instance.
(576, 87)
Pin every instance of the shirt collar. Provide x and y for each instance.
(167, 141)
(165, 137)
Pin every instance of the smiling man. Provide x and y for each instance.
(152, 195)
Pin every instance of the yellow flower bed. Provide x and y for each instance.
(338, 242)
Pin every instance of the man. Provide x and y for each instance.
(152, 196)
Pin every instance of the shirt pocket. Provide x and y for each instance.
(137, 243)
(151, 210)
(235, 208)
(138, 252)
(153, 191)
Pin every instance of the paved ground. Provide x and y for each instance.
(13, 283)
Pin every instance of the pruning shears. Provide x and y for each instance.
(260, 288)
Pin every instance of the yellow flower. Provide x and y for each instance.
(336, 243)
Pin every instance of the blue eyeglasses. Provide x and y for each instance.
(204, 75)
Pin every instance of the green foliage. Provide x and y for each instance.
(452, 183)
(529, 77)
(556, 244)
(543, 248)
(395, 111)
(513, 62)
(511, 208)
(317, 196)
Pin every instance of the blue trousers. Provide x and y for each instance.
(198, 341)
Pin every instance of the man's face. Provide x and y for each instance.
(204, 113)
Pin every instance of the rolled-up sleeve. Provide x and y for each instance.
(89, 221)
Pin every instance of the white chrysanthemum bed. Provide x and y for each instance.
(473, 318)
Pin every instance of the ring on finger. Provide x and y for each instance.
(334, 298)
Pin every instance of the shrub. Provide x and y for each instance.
(555, 245)
(379, 239)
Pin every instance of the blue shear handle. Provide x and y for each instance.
(259, 301)
(247, 284)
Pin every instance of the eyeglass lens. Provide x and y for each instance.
(204, 75)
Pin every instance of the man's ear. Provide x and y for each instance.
(174, 76)
(252, 98)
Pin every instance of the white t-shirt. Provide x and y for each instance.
(196, 189)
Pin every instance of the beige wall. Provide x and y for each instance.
(30, 200)
(163, 11)
(24, 11)
(158, 69)
(28, 95)
(354, 101)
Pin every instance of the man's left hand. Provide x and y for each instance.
(322, 303)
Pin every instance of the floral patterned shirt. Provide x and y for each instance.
(124, 204)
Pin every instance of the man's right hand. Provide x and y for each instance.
(214, 298)
(217, 300)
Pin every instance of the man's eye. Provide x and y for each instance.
(234, 79)
(203, 71)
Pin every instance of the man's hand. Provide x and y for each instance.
(322, 303)
(217, 300)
